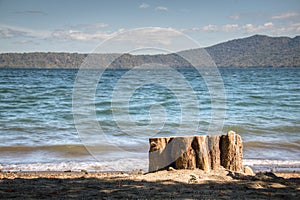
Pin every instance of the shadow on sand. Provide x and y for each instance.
(261, 186)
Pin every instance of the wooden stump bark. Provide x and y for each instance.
(231, 151)
(183, 153)
(200, 144)
(160, 155)
(203, 152)
(214, 151)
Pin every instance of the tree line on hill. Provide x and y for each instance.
(257, 50)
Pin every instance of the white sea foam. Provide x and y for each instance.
(131, 164)
(273, 165)
(119, 165)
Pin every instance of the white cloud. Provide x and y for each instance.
(66, 35)
(249, 28)
(230, 27)
(89, 26)
(295, 27)
(144, 5)
(96, 25)
(286, 15)
(93, 32)
(290, 28)
(22, 42)
(268, 25)
(7, 31)
(161, 8)
(162, 39)
(253, 28)
(235, 17)
(210, 27)
(82, 32)
(161, 35)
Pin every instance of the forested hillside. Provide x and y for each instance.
(257, 50)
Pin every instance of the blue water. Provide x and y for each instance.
(37, 125)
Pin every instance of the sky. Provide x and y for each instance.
(80, 26)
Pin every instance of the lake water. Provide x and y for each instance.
(37, 130)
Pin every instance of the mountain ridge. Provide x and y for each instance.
(256, 50)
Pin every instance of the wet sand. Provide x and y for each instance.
(175, 184)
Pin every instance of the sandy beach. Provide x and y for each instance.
(175, 184)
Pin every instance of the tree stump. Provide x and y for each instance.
(200, 144)
(183, 153)
(160, 155)
(231, 151)
(214, 151)
(203, 152)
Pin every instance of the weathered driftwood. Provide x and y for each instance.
(191, 152)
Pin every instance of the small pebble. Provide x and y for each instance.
(171, 169)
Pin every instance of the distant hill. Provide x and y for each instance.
(41, 60)
(257, 50)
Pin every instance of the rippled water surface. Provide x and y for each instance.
(37, 126)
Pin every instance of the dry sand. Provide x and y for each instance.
(175, 184)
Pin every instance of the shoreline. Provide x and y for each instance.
(135, 173)
(128, 165)
(176, 184)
